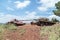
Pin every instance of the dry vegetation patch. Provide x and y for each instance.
(53, 32)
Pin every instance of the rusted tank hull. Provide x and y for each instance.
(19, 24)
(41, 23)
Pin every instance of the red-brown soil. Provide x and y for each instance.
(29, 32)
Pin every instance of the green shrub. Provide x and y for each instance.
(10, 26)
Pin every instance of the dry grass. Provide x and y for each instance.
(53, 32)
(4, 27)
(46, 32)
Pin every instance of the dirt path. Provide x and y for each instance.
(30, 32)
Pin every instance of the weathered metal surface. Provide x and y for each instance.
(16, 22)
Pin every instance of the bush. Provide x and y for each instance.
(10, 26)
(54, 20)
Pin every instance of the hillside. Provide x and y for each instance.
(29, 32)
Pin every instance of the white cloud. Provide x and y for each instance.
(31, 15)
(42, 8)
(48, 3)
(54, 16)
(22, 4)
(7, 17)
(9, 8)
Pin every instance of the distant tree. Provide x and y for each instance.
(57, 11)
(54, 20)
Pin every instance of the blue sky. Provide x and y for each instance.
(26, 9)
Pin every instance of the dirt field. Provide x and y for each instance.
(26, 32)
